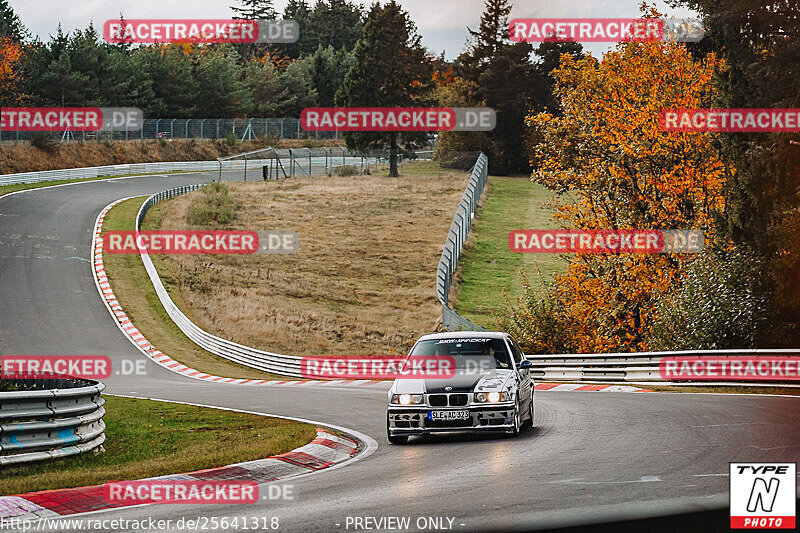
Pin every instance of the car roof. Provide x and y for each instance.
(466, 335)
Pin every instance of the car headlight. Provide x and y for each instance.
(492, 397)
(407, 399)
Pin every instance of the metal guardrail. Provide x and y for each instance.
(108, 170)
(322, 163)
(454, 244)
(628, 367)
(50, 418)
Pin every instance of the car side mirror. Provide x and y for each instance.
(525, 363)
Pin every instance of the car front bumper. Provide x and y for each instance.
(414, 420)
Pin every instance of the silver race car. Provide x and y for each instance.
(490, 388)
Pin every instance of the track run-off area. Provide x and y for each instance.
(591, 457)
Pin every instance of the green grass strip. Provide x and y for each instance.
(488, 266)
(146, 438)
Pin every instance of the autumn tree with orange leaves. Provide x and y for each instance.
(615, 169)
(10, 79)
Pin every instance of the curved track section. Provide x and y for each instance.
(591, 457)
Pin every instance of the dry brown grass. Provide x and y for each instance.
(139, 300)
(26, 158)
(362, 282)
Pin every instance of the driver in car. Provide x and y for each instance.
(500, 360)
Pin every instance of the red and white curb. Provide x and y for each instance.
(581, 387)
(135, 336)
(326, 450)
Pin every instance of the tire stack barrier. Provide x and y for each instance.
(48, 418)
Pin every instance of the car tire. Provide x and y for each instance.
(531, 410)
(394, 439)
(517, 421)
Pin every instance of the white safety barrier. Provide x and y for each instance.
(634, 367)
(108, 170)
(131, 169)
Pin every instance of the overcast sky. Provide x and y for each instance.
(442, 23)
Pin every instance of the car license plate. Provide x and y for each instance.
(448, 415)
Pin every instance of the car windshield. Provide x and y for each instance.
(467, 352)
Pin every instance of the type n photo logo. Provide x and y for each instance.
(763, 495)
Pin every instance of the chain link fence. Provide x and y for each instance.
(279, 163)
(241, 129)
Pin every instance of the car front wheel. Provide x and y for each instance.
(517, 420)
(531, 408)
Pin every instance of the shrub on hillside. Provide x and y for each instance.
(212, 206)
(6, 386)
(44, 141)
(345, 170)
(722, 303)
(537, 322)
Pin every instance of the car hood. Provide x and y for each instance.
(473, 382)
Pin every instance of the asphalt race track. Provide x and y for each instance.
(592, 457)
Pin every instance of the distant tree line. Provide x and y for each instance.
(347, 55)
